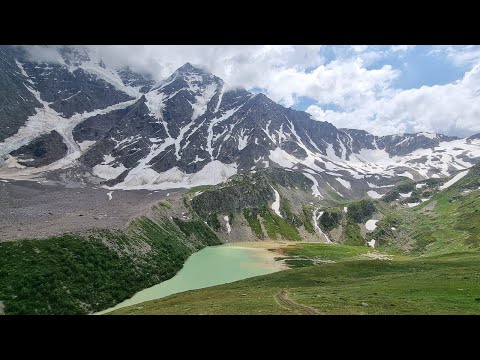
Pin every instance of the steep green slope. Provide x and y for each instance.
(80, 274)
(445, 221)
(413, 218)
(344, 223)
(448, 221)
(247, 201)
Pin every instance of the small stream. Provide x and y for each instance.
(316, 216)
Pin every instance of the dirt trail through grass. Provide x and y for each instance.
(282, 299)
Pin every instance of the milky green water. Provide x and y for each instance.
(210, 266)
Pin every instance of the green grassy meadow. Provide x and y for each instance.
(445, 284)
(428, 262)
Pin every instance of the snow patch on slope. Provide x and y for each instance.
(22, 70)
(453, 180)
(108, 172)
(155, 103)
(213, 173)
(84, 146)
(315, 187)
(242, 140)
(202, 100)
(227, 224)
(215, 121)
(445, 157)
(282, 158)
(220, 98)
(406, 174)
(371, 225)
(334, 189)
(345, 183)
(42, 122)
(373, 194)
(315, 217)
(373, 186)
(276, 203)
(108, 75)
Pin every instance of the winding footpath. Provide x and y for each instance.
(282, 299)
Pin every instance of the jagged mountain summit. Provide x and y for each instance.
(79, 120)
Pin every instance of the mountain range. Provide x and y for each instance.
(77, 120)
(110, 180)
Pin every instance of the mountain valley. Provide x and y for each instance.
(110, 180)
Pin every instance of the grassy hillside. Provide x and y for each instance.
(426, 261)
(249, 196)
(345, 227)
(447, 284)
(80, 274)
(414, 218)
(426, 257)
(305, 254)
(448, 221)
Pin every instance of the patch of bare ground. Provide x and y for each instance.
(32, 210)
(377, 256)
(283, 300)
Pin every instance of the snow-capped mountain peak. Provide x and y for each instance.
(118, 128)
(189, 69)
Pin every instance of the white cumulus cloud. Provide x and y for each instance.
(452, 109)
(344, 83)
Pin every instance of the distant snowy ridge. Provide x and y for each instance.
(124, 131)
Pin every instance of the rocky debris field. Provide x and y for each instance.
(32, 210)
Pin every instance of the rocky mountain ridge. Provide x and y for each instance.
(122, 130)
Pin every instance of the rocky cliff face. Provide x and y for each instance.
(42, 151)
(17, 103)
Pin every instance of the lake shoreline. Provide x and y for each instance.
(236, 261)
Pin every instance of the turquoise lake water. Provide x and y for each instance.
(211, 266)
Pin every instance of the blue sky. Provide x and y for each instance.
(419, 67)
(381, 89)
(430, 73)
